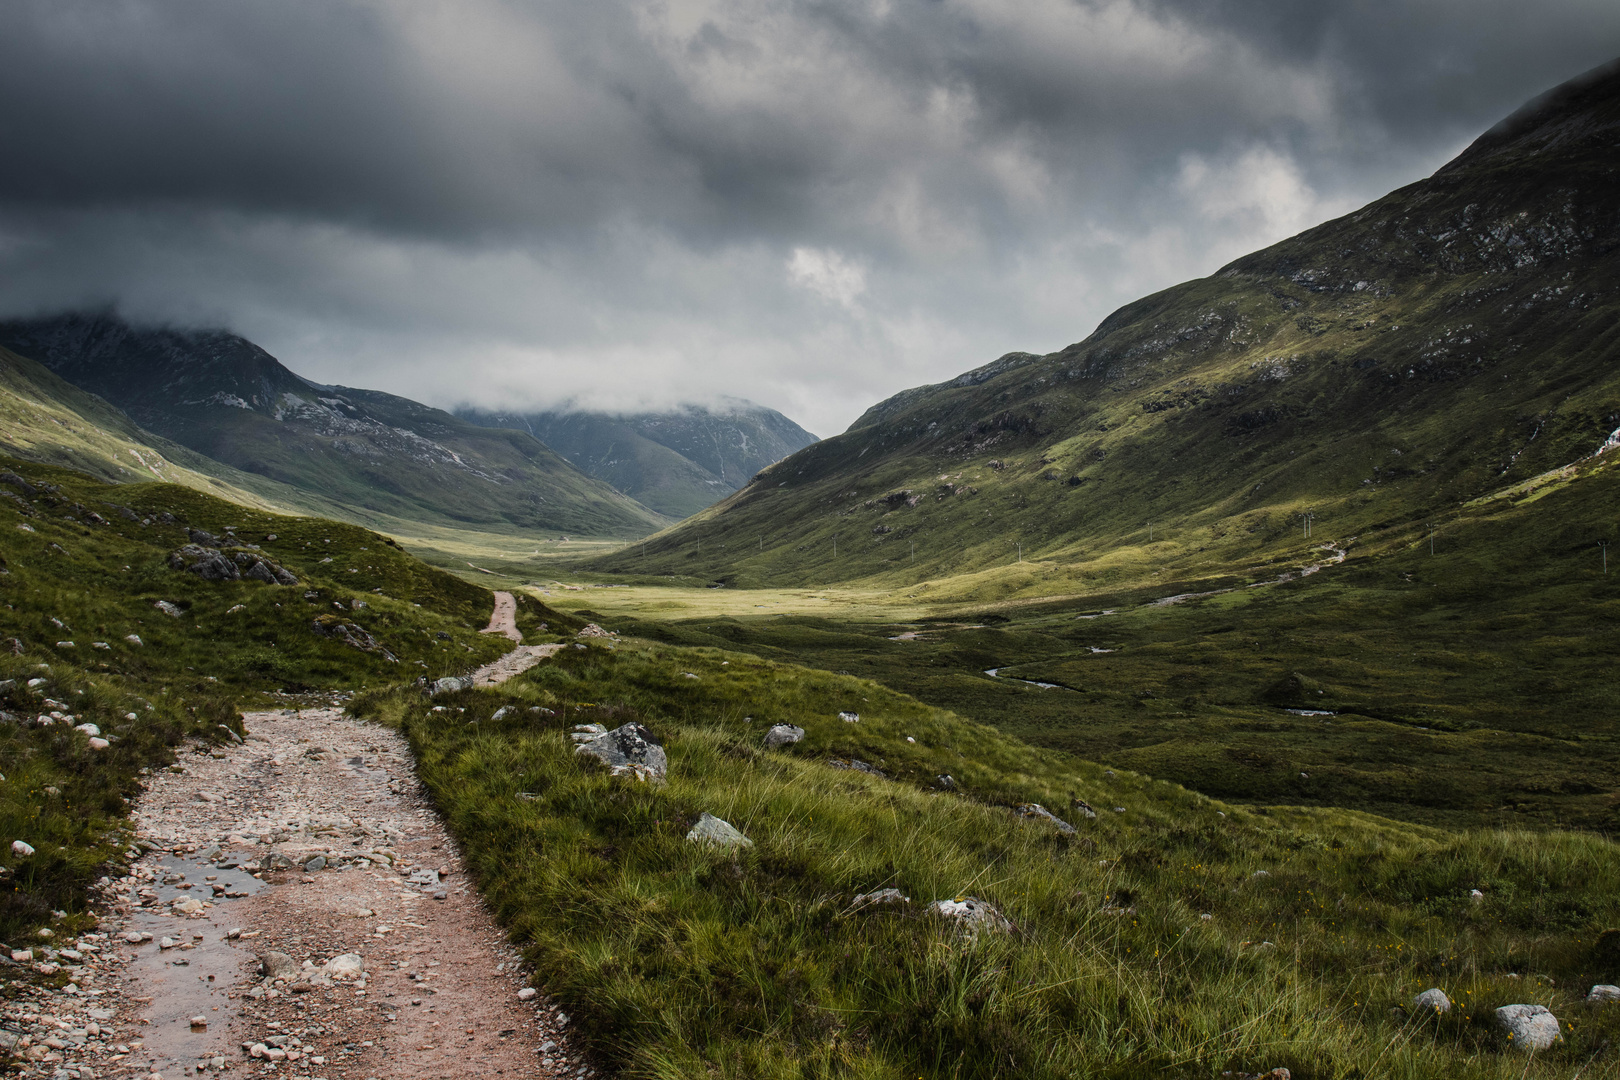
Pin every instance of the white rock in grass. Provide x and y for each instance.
(528, 993)
(1433, 1000)
(98, 744)
(20, 848)
(712, 830)
(783, 735)
(850, 717)
(880, 898)
(1602, 994)
(168, 609)
(1530, 1027)
(1037, 812)
(970, 914)
(628, 750)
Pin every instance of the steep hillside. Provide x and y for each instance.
(1455, 338)
(44, 419)
(676, 462)
(226, 398)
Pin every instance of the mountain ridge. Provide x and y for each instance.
(678, 462)
(1451, 338)
(228, 399)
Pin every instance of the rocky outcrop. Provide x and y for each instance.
(340, 629)
(627, 750)
(213, 564)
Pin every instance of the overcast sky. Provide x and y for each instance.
(628, 204)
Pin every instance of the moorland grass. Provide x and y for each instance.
(685, 961)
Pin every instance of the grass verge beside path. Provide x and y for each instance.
(685, 961)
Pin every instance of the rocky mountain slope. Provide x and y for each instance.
(1455, 338)
(224, 397)
(676, 462)
(44, 419)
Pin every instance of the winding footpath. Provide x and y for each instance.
(307, 852)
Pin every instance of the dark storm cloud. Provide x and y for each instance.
(813, 204)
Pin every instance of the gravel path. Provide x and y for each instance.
(311, 840)
(503, 620)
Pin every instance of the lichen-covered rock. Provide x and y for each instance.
(628, 750)
(340, 629)
(712, 830)
(590, 630)
(450, 684)
(1529, 1027)
(171, 610)
(1037, 812)
(1431, 1001)
(1602, 994)
(783, 735)
(970, 915)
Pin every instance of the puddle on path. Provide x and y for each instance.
(194, 977)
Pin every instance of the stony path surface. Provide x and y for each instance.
(503, 620)
(310, 841)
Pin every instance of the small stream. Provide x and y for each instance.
(995, 673)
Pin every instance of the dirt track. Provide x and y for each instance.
(439, 991)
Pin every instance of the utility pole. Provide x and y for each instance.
(1604, 544)
(1020, 545)
(1308, 517)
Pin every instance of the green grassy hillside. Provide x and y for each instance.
(1385, 368)
(1169, 935)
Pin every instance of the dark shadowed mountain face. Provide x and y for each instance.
(225, 397)
(675, 462)
(1457, 337)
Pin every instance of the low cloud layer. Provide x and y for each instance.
(810, 204)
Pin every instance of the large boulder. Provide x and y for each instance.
(1529, 1027)
(1603, 994)
(783, 735)
(628, 750)
(450, 684)
(717, 833)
